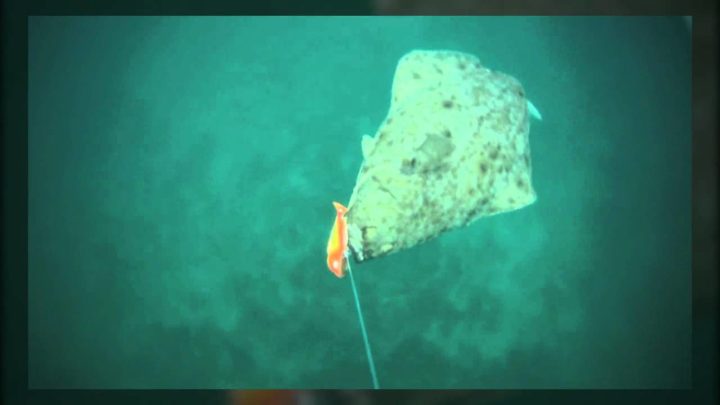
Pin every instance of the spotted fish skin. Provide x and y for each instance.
(453, 148)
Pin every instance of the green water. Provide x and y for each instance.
(181, 173)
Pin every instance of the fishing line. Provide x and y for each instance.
(362, 327)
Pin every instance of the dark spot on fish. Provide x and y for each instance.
(447, 104)
(437, 69)
(511, 200)
(461, 65)
(447, 133)
(389, 121)
(520, 183)
(483, 167)
(521, 93)
(526, 158)
(494, 154)
(408, 166)
(415, 75)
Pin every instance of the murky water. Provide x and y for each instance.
(181, 177)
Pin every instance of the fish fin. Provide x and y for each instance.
(534, 112)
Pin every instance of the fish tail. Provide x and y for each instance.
(341, 209)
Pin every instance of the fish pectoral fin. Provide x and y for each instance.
(534, 112)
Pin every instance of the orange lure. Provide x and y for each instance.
(337, 244)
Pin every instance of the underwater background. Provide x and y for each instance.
(181, 172)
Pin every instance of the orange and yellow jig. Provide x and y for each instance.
(337, 243)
